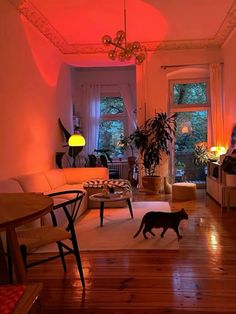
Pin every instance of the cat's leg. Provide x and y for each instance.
(163, 232)
(177, 232)
(145, 230)
(152, 233)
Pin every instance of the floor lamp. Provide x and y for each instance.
(76, 142)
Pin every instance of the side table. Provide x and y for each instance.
(111, 197)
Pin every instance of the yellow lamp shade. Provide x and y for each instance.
(76, 140)
(218, 150)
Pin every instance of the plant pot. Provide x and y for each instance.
(151, 184)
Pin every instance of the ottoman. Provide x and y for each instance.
(96, 185)
(183, 191)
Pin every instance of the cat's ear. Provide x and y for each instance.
(182, 210)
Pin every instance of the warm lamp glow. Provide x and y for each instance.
(218, 150)
(76, 140)
(185, 129)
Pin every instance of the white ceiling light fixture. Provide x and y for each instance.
(123, 50)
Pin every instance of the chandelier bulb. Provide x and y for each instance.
(123, 50)
(120, 34)
(139, 58)
(112, 54)
(106, 40)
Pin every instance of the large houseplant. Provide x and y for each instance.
(152, 139)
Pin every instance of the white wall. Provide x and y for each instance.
(34, 92)
(229, 51)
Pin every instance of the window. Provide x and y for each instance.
(112, 124)
(189, 93)
(190, 99)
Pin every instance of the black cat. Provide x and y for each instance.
(161, 220)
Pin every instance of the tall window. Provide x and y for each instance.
(190, 99)
(112, 125)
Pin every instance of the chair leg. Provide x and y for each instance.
(130, 207)
(62, 255)
(77, 256)
(9, 265)
(23, 250)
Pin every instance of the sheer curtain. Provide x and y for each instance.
(127, 96)
(90, 104)
(217, 108)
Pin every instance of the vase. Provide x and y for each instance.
(152, 184)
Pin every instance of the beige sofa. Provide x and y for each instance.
(55, 180)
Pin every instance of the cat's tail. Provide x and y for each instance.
(140, 228)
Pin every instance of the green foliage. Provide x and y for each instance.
(152, 139)
(111, 105)
(198, 132)
(190, 93)
(201, 154)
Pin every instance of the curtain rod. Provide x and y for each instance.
(184, 65)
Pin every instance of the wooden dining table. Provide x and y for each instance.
(18, 209)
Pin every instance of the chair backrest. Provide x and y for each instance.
(76, 197)
(92, 160)
(103, 159)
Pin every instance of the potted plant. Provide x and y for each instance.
(152, 139)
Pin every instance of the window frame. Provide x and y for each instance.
(188, 107)
(174, 107)
(113, 117)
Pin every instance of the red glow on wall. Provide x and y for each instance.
(45, 55)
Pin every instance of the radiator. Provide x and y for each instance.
(122, 167)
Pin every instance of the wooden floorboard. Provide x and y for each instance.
(198, 278)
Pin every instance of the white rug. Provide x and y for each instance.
(118, 230)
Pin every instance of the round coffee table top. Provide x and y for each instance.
(109, 197)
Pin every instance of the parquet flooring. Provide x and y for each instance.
(199, 278)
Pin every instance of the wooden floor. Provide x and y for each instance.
(199, 278)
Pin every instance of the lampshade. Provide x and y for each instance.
(76, 140)
(218, 150)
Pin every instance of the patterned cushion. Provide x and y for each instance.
(119, 184)
(9, 296)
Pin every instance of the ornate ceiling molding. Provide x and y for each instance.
(35, 17)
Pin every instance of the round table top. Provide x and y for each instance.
(110, 197)
(19, 208)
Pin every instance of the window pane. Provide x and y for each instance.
(110, 132)
(191, 129)
(111, 105)
(192, 93)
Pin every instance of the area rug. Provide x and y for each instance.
(119, 228)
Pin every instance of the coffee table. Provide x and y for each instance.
(111, 197)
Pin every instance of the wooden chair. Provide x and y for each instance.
(34, 238)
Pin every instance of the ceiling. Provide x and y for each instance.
(77, 26)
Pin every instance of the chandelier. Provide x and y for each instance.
(123, 50)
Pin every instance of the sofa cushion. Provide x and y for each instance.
(60, 214)
(55, 177)
(34, 183)
(80, 175)
(10, 186)
(67, 187)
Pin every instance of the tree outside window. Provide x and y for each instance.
(112, 124)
